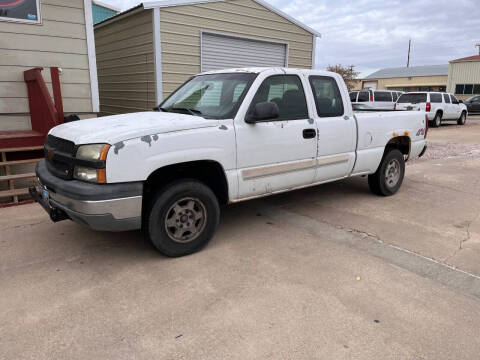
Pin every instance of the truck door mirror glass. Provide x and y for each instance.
(263, 111)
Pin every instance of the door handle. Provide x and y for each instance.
(309, 133)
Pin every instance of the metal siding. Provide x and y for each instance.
(126, 74)
(59, 41)
(463, 73)
(222, 52)
(181, 29)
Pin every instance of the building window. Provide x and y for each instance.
(26, 11)
(467, 89)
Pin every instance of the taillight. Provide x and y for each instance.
(428, 107)
(395, 106)
(371, 97)
(426, 126)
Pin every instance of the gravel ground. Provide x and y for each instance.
(443, 142)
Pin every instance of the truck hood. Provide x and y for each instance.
(112, 129)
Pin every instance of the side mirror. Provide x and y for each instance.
(263, 111)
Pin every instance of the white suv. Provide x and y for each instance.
(377, 99)
(438, 106)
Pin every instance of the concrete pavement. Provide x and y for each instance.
(330, 272)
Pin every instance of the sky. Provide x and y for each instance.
(374, 34)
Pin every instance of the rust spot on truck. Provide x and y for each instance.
(147, 139)
(118, 146)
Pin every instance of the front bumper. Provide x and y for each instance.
(105, 207)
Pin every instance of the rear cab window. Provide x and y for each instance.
(382, 96)
(412, 98)
(328, 98)
(435, 98)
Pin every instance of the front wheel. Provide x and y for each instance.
(462, 119)
(389, 176)
(183, 217)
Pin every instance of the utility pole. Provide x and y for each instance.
(408, 58)
(478, 45)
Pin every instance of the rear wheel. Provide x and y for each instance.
(183, 217)
(437, 120)
(462, 119)
(389, 176)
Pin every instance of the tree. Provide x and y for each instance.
(348, 74)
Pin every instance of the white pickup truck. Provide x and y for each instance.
(222, 137)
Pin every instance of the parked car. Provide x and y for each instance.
(473, 104)
(222, 137)
(438, 106)
(377, 99)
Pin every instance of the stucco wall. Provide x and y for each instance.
(388, 83)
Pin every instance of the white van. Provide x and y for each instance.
(377, 99)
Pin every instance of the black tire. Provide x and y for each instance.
(378, 182)
(437, 120)
(172, 205)
(462, 119)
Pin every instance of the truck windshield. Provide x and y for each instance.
(412, 98)
(213, 96)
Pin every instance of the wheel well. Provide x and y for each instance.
(209, 172)
(439, 111)
(401, 143)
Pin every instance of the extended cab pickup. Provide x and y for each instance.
(222, 137)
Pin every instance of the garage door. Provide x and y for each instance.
(223, 52)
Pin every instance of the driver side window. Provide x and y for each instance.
(287, 92)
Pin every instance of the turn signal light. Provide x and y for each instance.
(428, 107)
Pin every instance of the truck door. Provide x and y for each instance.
(276, 154)
(337, 134)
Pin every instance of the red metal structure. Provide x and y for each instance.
(44, 112)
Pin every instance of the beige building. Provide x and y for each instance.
(414, 78)
(147, 52)
(464, 77)
(46, 33)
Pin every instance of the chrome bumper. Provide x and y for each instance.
(106, 207)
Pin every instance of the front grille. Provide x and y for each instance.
(59, 156)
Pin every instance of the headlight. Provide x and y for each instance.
(85, 174)
(94, 153)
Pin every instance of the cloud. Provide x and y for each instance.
(373, 34)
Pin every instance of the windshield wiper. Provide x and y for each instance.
(193, 112)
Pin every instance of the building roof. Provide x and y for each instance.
(469, 58)
(427, 70)
(106, 6)
(171, 3)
